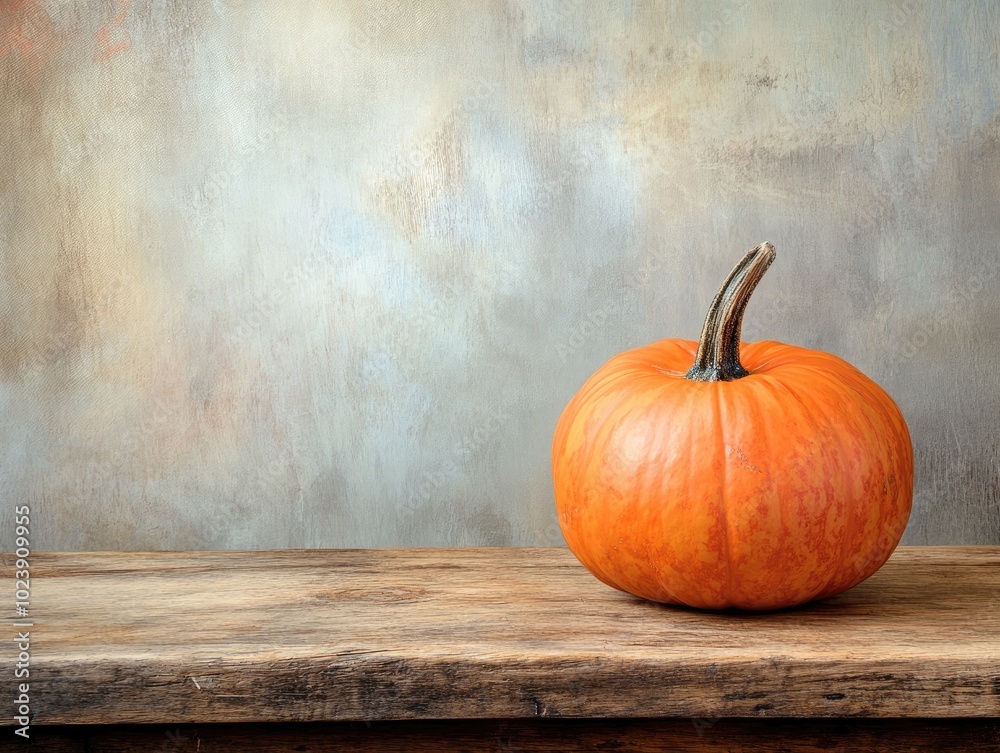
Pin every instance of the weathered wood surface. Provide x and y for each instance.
(182, 637)
(538, 736)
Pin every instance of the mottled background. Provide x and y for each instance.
(310, 273)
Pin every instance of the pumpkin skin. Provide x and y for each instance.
(789, 483)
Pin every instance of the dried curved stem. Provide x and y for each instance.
(718, 357)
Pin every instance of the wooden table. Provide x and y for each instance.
(511, 649)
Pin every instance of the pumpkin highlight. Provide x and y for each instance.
(721, 474)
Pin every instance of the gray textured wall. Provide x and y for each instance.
(324, 274)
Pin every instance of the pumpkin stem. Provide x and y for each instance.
(718, 357)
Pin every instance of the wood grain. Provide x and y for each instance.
(338, 635)
(546, 736)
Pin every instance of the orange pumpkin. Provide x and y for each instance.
(762, 476)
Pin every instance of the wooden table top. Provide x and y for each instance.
(308, 635)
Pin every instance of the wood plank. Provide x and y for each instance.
(561, 736)
(284, 636)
